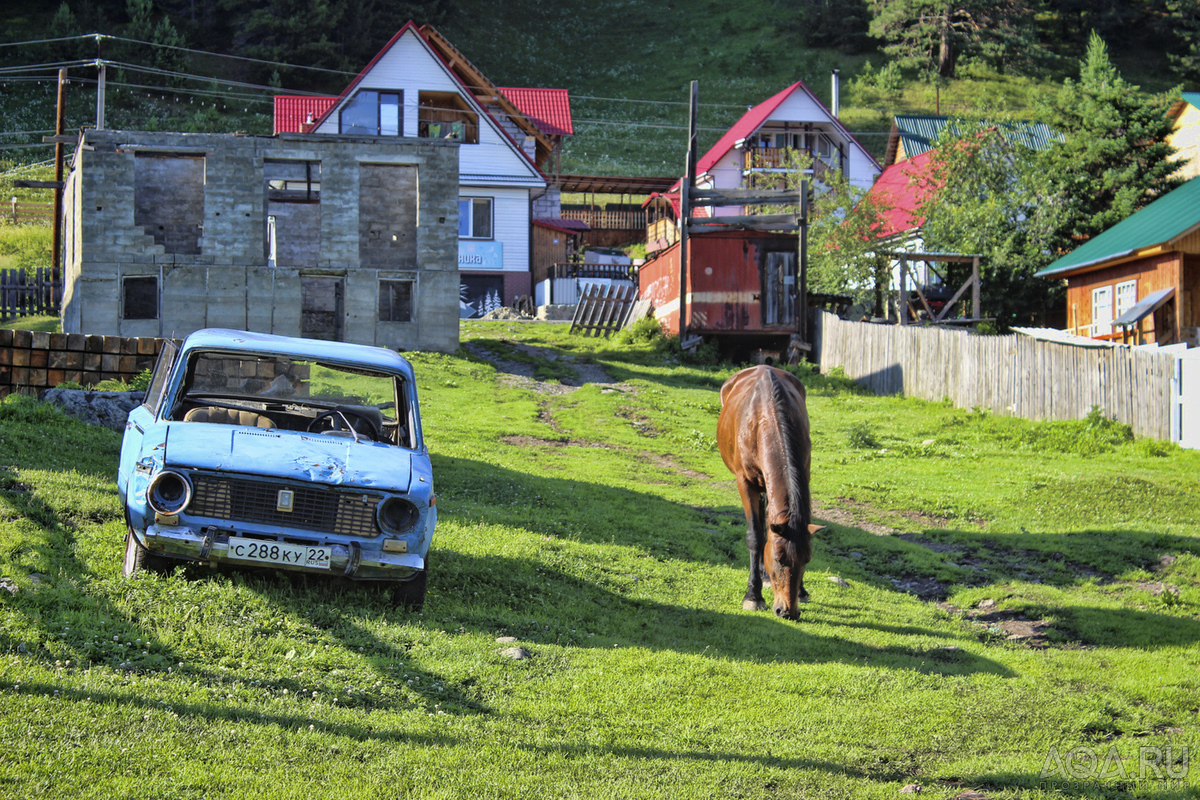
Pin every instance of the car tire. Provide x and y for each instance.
(410, 594)
(138, 558)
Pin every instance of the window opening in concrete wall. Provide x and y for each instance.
(475, 218)
(293, 213)
(396, 300)
(139, 297)
(321, 308)
(446, 115)
(168, 200)
(387, 216)
(372, 113)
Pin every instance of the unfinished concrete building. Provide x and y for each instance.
(351, 238)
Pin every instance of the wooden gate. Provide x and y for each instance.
(22, 296)
(603, 309)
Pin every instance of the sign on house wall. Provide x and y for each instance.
(480, 255)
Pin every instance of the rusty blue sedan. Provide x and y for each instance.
(254, 450)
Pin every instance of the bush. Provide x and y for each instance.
(861, 437)
(643, 331)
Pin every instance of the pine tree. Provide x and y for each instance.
(1113, 158)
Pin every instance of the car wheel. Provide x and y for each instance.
(410, 594)
(138, 558)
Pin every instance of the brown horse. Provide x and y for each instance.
(763, 436)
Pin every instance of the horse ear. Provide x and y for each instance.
(813, 530)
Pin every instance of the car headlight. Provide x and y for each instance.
(169, 492)
(396, 515)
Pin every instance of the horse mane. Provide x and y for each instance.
(799, 499)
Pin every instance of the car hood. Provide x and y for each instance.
(333, 460)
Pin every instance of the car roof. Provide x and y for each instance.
(362, 355)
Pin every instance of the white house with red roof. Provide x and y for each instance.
(763, 139)
(419, 86)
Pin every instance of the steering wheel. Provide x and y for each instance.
(341, 413)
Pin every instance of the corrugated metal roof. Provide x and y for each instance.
(1166, 219)
(550, 109)
(918, 133)
(296, 114)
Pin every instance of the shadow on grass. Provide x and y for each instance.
(537, 604)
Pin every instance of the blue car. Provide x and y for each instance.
(253, 450)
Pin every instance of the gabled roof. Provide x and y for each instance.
(296, 114)
(918, 133)
(753, 119)
(898, 191)
(550, 109)
(428, 38)
(1159, 224)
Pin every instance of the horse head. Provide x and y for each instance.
(786, 554)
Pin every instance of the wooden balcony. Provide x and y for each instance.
(598, 219)
(778, 159)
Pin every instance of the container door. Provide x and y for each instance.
(779, 289)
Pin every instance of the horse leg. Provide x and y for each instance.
(804, 555)
(755, 541)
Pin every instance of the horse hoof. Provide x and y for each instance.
(752, 605)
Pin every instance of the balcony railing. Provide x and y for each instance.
(607, 220)
(780, 158)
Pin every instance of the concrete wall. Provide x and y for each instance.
(387, 210)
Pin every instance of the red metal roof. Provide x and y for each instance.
(550, 109)
(897, 189)
(295, 114)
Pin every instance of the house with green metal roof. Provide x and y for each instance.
(1185, 136)
(913, 134)
(1140, 279)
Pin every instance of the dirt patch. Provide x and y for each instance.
(668, 464)
(535, 442)
(987, 620)
(522, 373)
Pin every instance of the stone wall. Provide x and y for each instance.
(33, 361)
(133, 200)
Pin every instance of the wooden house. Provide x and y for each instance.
(1139, 281)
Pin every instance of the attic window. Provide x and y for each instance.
(372, 113)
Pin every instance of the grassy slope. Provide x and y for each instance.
(600, 530)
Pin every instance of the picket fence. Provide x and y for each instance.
(1015, 375)
(24, 295)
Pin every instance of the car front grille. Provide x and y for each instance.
(315, 509)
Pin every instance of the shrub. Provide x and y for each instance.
(861, 437)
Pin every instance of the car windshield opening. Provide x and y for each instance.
(274, 380)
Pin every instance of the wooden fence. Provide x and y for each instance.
(23, 296)
(31, 212)
(603, 309)
(1013, 375)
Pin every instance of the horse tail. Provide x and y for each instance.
(799, 498)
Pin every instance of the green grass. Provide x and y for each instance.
(599, 529)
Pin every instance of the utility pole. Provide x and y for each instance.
(56, 249)
(685, 212)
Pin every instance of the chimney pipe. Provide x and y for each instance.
(836, 103)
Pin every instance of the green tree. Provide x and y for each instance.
(1113, 158)
(987, 194)
(933, 35)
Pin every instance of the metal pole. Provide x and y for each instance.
(685, 210)
(56, 249)
(100, 87)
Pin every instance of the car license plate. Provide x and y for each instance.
(282, 553)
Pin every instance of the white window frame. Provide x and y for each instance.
(470, 217)
(1102, 310)
(1126, 297)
